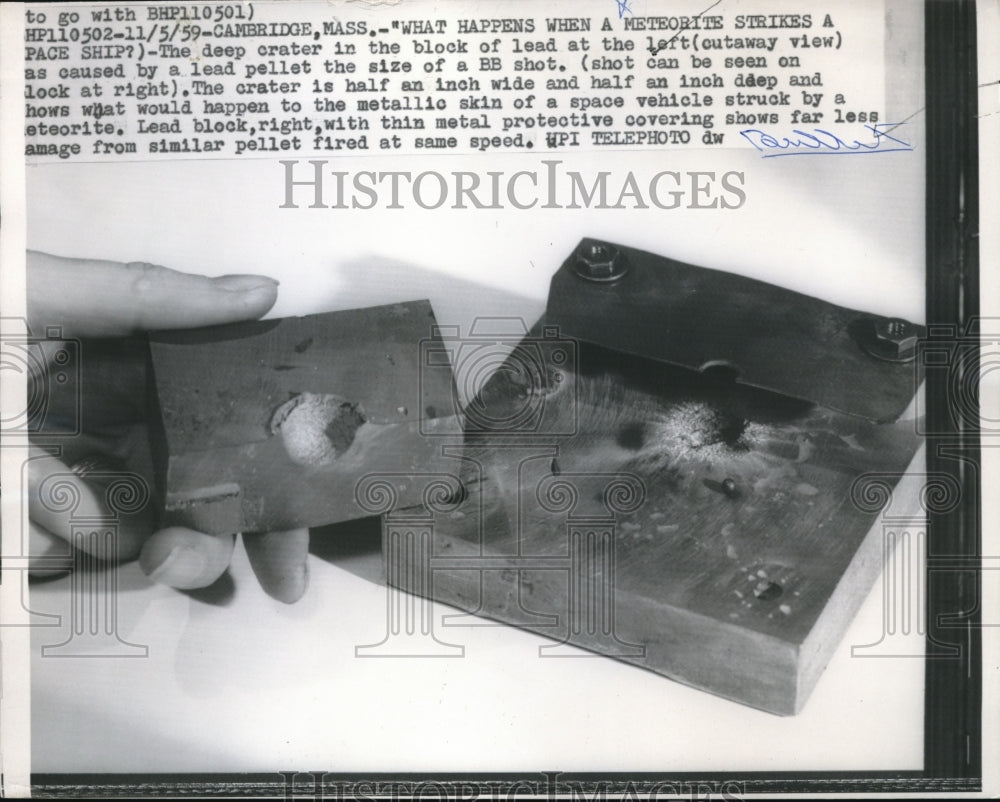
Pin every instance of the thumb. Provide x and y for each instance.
(94, 298)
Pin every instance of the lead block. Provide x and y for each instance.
(702, 490)
(270, 425)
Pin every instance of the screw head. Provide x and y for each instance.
(892, 339)
(599, 261)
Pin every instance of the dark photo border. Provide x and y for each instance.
(953, 684)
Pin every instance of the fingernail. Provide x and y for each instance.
(288, 588)
(244, 283)
(183, 568)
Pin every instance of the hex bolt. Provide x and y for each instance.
(892, 339)
(600, 262)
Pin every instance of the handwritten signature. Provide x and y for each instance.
(820, 142)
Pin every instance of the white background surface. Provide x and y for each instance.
(257, 685)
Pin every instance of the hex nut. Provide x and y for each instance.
(894, 339)
(599, 261)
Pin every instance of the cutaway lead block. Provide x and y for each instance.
(271, 425)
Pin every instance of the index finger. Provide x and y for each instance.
(95, 298)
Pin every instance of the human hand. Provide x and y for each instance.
(112, 302)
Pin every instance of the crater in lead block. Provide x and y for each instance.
(316, 428)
